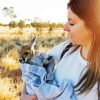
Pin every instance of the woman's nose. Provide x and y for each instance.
(66, 27)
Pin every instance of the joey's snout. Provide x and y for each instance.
(21, 60)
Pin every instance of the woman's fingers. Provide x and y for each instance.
(34, 97)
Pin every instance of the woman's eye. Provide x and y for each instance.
(71, 24)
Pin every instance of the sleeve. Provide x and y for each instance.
(47, 91)
(61, 91)
(24, 89)
(56, 51)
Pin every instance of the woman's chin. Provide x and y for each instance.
(73, 42)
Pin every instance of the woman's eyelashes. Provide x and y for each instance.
(72, 24)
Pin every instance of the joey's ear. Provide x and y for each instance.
(32, 43)
(19, 44)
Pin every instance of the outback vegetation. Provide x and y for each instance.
(48, 34)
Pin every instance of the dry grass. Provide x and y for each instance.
(9, 90)
(10, 73)
(10, 60)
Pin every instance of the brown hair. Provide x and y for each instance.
(88, 10)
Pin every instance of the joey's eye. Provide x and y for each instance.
(26, 53)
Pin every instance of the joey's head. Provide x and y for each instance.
(27, 51)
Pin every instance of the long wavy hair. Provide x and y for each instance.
(88, 10)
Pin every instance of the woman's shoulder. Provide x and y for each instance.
(58, 49)
(64, 43)
(61, 45)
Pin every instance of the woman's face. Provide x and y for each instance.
(77, 30)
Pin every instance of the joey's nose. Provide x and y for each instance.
(21, 60)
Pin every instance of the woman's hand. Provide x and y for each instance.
(28, 97)
(25, 96)
(34, 97)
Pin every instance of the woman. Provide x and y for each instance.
(80, 64)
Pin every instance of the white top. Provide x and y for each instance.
(71, 67)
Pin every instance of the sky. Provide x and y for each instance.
(43, 10)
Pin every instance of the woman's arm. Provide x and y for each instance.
(46, 91)
(35, 78)
(25, 96)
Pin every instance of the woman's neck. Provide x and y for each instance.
(85, 50)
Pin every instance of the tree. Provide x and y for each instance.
(12, 24)
(21, 24)
(9, 11)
